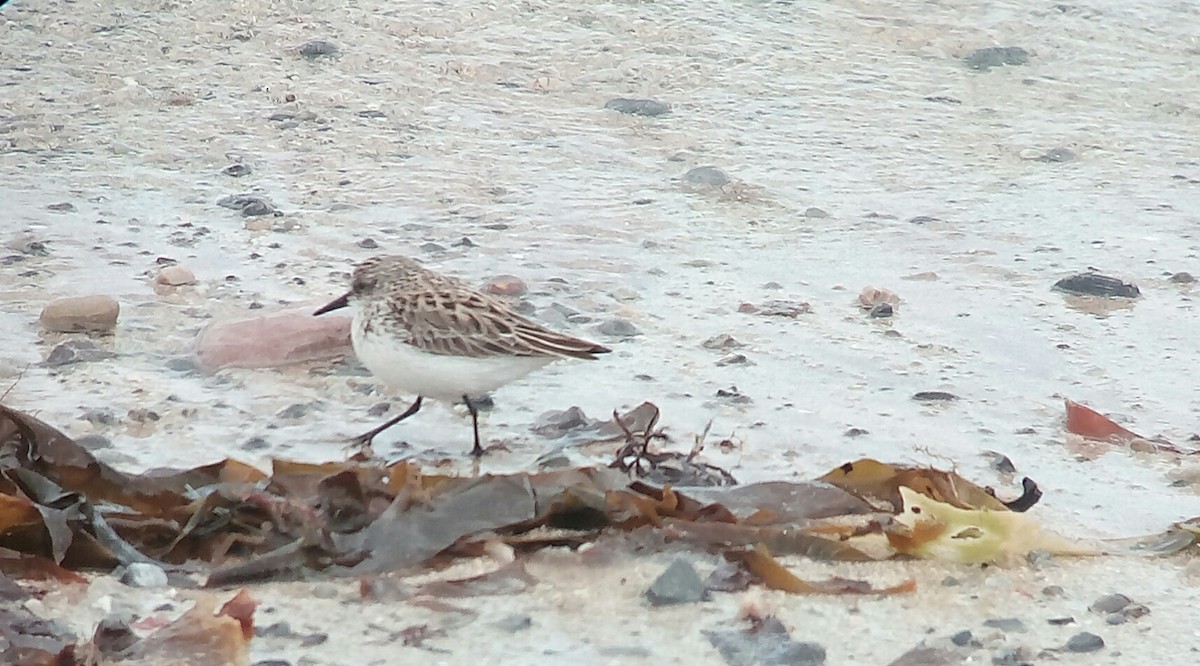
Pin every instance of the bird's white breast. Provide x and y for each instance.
(438, 376)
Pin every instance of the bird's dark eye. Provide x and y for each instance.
(362, 284)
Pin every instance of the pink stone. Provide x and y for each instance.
(274, 339)
(507, 285)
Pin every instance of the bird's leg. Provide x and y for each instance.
(364, 440)
(478, 450)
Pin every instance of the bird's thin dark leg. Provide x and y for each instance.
(478, 450)
(364, 439)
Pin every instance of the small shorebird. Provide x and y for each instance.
(429, 334)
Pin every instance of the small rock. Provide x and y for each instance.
(1095, 284)
(618, 328)
(734, 359)
(293, 411)
(432, 247)
(996, 56)
(625, 294)
(143, 415)
(236, 170)
(922, 219)
(722, 342)
(255, 444)
(1084, 641)
(815, 213)
(175, 276)
(962, 638)
(1008, 656)
(464, 242)
(1115, 619)
(99, 416)
(94, 442)
(1112, 603)
(1057, 155)
(707, 175)
(514, 623)
(855, 432)
(775, 308)
(881, 311)
(367, 244)
(81, 313)
(637, 107)
(733, 395)
(557, 423)
(934, 396)
(317, 48)
(951, 581)
(1006, 624)
(1060, 621)
(1053, 591)
(64, 207)
(1134, 611)
(1183, 277)
(869, 297)
(76, 351)
(250, 205)
(765, 643)
(679, 584)
(379, 409)
(371, 113)
(144, 574)
(507, 285)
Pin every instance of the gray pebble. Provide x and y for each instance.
(432, 247)
(1115, 619)
(1007, 656)
(962, 638)
(182, 364)
(734, 359)
(144, 574)
(514, 623)
(75, 351)
(1053, 591)
(1084, 641)
(679, 584)
(996, 56)
(618, 328)
(293, 411)
(1057, 155)
(250, 205)
(94, 442)
(368, 244)
(317, 48)
(881, 311)
(255, 444)
(379, 409)
(1006, 624)
(99, 416)
(707, 175)
(815, 213)
(1112, 603)
(934, 396)
(722, 342)
(1183, 277)
(637, 107)
(1095, 284)
(64, 207)
(236, 170)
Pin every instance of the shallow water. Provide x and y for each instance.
(494, 116)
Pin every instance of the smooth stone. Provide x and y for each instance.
(1095, 284)
(707, 175)
(618, 328)
(637, 107)
(1006, 624)
(1084, 641)
(317, 48)
(175, 276)
(679, 584)
(1112, 603)
(514, 623)
(81, 313)
(507, 285)
(76, 351)
(996, 56)
(271, 340)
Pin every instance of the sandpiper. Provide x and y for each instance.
(433, 335)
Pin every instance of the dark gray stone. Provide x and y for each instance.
(934, 396)
(1006, 624)
(707, 175)
(962, 638)
(1112, 603)
(1095, 284)
(317, 48)
(236, 170)
(996, 56)
(768, 644)
(1084, 641)
(637, 107)
(1057, 155)
(618, 328)
(679, 584)
(75, 351)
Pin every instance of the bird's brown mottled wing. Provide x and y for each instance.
(468, 323)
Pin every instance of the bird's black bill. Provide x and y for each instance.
(338, 303)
